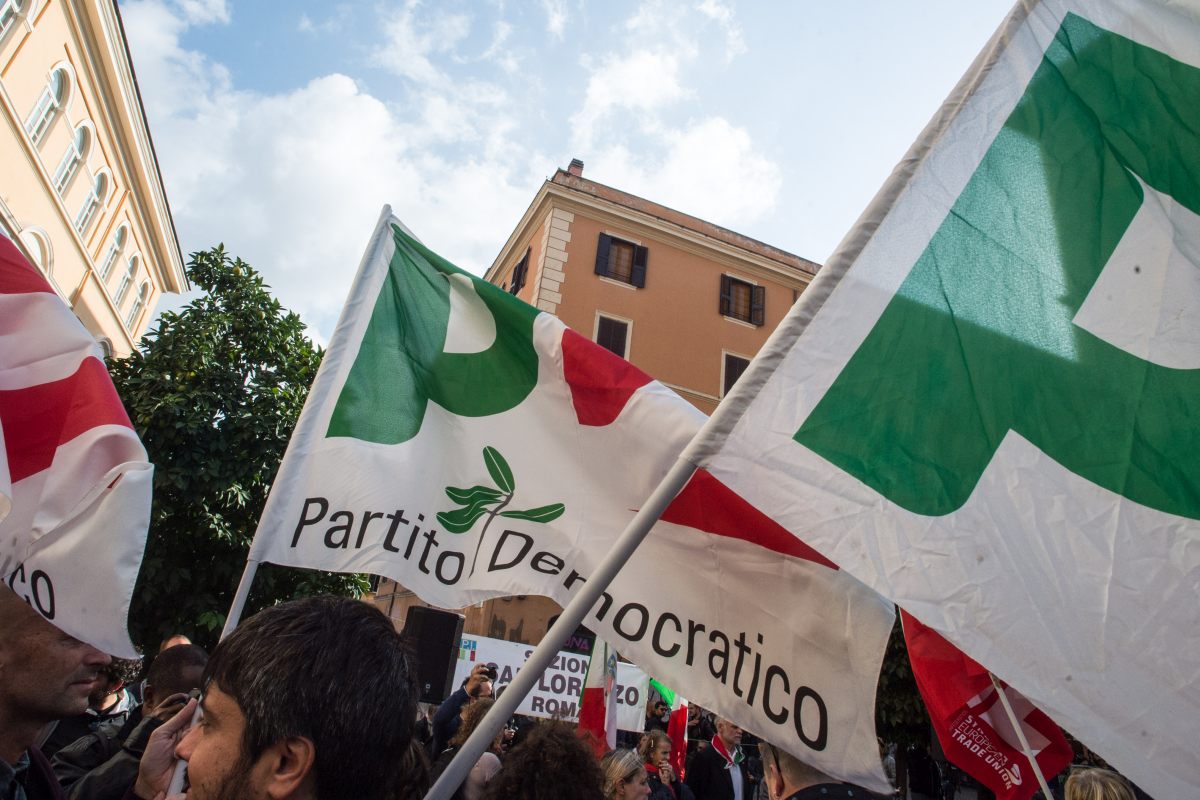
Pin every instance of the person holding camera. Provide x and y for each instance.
(449, 714)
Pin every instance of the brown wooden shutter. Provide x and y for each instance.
(602, 254)
(758, 304)
(638, 278)
(726, 301)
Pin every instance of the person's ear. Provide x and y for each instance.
(148, 699)
(776, 786)
(286, 767)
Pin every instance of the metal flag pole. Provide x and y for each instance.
(525, 679)
(231, 621)
(1016, 723)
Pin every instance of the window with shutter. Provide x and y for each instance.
(622, 261)
(731, 370)
(613, 335)
(520, 271)
(742, 300)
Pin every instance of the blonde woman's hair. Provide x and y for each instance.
(1097, 784)
(650, 742)
(619, 766)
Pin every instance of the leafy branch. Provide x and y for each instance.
(477, 501)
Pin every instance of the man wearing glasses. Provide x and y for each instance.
(719, 772)
(788, 778)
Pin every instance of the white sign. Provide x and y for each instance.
(558, 691)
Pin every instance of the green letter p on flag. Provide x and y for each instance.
(988, 406)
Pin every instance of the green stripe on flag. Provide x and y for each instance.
(668, 695)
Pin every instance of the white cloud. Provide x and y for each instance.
(643, 81)
(556, 17)
(410, 42)
(710, 169)
(293, 181)
(735, 43)
(204, 12)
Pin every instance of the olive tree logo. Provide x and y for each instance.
(479, 500)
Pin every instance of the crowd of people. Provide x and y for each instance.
(317, 699)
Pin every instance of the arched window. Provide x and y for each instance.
(139, 303)
(48, 104)
(91, 203)
(126, 280)
(10, 14)
(105, 346)
(114, 250)
(38, 245)
(76, 154)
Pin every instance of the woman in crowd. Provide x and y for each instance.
(624, 776)
(655, 752)
(1094, 783)
(551, 763)
(488, 764)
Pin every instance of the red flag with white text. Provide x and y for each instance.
(970, 721)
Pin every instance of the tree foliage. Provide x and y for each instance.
(900, 715)
(214, 391)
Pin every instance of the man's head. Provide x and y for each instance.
(119, 673)
(45, 674)
(784, 774)
(176, 670)
(306, 699)
(656, 707)
(174, 640)
(728, 733)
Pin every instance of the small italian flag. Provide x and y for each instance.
(676, 725)
(598, 708)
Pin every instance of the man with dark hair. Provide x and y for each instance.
(109, 705)
(311, 699)
(103, 765)
(789, 778)
(45, 675)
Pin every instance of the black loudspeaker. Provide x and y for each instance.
(433, 636)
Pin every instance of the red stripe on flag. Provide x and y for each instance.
(17, 275)
(38, 419)
(601, 382)
(711, 506)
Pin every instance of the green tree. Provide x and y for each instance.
(900, 715)
(214, 391)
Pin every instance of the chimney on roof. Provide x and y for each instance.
(576, 168)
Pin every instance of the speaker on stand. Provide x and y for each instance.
(432, 636)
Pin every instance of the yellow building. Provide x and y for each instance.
(80, 190)
(685, 300)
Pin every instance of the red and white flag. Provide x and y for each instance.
(598, 707)
(970, 721)
(74, 479)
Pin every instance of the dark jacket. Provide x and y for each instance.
(708, 777)
(38, 778)
(834, 791)
(446, 721)
(103, 766)
(667, 791)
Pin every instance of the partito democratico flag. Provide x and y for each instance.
(74, 481)
(468, 446)
(987, 405)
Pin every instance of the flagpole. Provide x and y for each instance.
(1016, 723)
(525, 679)
(231, 621)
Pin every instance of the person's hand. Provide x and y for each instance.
(158, 760)
(665, 772)
(169, 707)
(479, 684)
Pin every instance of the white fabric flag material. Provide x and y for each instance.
(74, 480)
(469, 446)
(987, 405)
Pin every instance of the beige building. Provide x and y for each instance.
(687, 301)
(80, 190)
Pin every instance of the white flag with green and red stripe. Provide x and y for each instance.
(469, 446)
(987, 405)
(74, 480)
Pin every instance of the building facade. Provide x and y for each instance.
(687, 301)
(80, 190)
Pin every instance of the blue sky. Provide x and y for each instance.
(282, 128)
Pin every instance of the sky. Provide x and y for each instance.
(282, 128)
